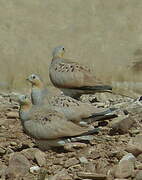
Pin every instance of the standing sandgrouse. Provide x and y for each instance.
(71, 77)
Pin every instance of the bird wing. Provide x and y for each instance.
(51, 125)
(67, 74)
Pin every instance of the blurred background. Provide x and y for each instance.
(106, 35)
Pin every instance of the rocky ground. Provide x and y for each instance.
(114, 154)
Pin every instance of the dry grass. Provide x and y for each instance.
(103, 35)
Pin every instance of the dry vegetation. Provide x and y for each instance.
(107, 39)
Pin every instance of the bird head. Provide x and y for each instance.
(34, 80)
(24, 100)
(58, 52)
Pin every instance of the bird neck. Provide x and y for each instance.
(25, 107)
(24, 111)
(37, 95)
(38, 85)
(57, 60)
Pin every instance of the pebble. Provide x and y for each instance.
(139, 175)
(73, 146)
(71, 162)
(135, 145)
(12, 114)
(34, 169)
(40, 158)
(121, 124)
(125, 168)
(62, 175)
(13, 143)
(83, 160)
(29, 153)
(2, 151)
(139, 158)
(18, 165)
(90, 175)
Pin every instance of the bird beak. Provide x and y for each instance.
(27, 80)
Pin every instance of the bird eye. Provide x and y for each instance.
(63, 48)
(34, 77)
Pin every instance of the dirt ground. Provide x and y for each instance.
(96, 160)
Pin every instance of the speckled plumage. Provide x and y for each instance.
(73, 78)
(73, 109)
(46, 125)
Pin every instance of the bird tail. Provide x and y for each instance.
(98, 88)
(108, 114)
(87, 136)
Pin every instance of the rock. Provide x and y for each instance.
(139, 167)
(83, 160)
(2, 170)
(18, 165)
(125, 168)
(9, 150)
(90, 175)
(73, 146)
(134, 132)
(117, 153)
(29, 153)
(120, 179)
(121, 124)
(40, 158)
(12, 114)
(62, 175)
(13, 143)
(34, 169)
(90, 167)
(135, 145)
(71, 162)
(139, 158)
(139, 175)
(2, 151)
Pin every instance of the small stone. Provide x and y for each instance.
(139, 175)
(2, 151)
(12, 114)
(120, 179)
(135, 145)
(35, 169)
(90, 167)
(71, 162)
(40, 158)
(134, 132)
(90, 175)
(29, 153)
(2, 170)
(125, 167)
(139, 158)
(18, 165)
(121, 124)
(60, 176)
(83, 160)
(9, 150)
(59, 161)
(13, 143)
(73, 146)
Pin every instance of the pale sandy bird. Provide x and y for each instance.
(48, 127)
(73, 109)
(71, 77)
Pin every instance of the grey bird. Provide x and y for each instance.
(49, 128)
(73, 78)
(73, 109)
